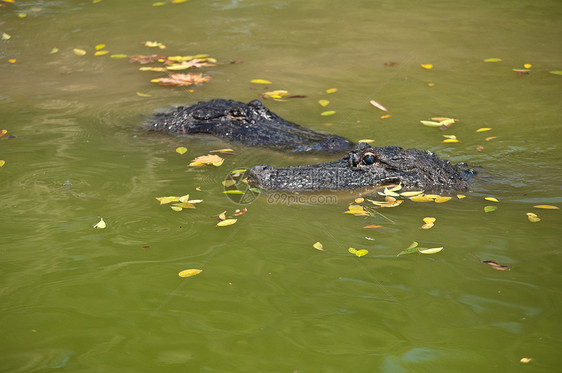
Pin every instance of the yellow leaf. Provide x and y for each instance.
(178, 1)
(483, 129)
(492, 199)
(143, 94)
(190, 272)
(356, 210)
(427, 226)
(318, 246)
(427, 66)
(450, 140)
(181, 150)
(450, 136)
(429, 220)
(395, 188)
(547, 207)
(352, 250)
(368, 141)
(360, 253)
(100, 224)
(165, 200)
(421, 198)
(430, 123)
(260, 81)
(207, 159)
(533, 218)
(221, 151)
(328, 113)
(226, 222)
(184, 199)
(527, 65)
(118, 56)
(492, 60)
(184, 205)
(199, 189)
(359, 200)
(2, 162)
(490, 138)
(54, 50)
(431, 84)
(148, 68)
(5, 36)
(277, 94)
(79, 52)
(222, 215)
(100, 53)
(525, 360)
(100, 46)
(461, 196)
(22, 15)
(331, 90)
(195, 201)
(324, 102)
(431, 251)
(385, 116)
(441, 199)
(176, 208)
(412, 245)
(12, 60)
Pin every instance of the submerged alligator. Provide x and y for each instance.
(251, 124)
(363, 166)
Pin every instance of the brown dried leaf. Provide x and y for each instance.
(183, 80)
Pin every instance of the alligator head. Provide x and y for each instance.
(365, 166)
(251, 124)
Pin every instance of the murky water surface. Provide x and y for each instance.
(78, 299)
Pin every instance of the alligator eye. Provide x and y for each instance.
(237, 113)
(368, 158)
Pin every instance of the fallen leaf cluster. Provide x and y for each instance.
(179, 203)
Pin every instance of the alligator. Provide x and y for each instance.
(251, 124)
(366, 166)
(363, 166)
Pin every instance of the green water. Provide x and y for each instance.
(77, 299)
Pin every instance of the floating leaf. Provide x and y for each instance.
(189, 272)
(368, 141)
(533, 218)
(450, 140)
(352, 250)
(240, 212)
(427, 226)
(483, 129)
(12, 60)
(159, 3)
(154, 44)
(182, 80)
(527, 65)
(226, 222)
(2, 162)
(411, 249)
(421, 198)
(222, 215)
(276, 95)
(79, 52)
(184, 199)
(202, 160)
(5, 36)
(234, 191)
(360, 253)
(431, 251)
(461, 196)
(450, 136)
(525, 360)
(100, 53)
(430, 123)
(359, 200)
(556, 72)
(318, 246)
(441, 199)
(427, 66)
(492, 60)
(54, 50)
(490, 208)
(118, 56)
(491, 199)
(177, 208)
(223, 151)
(181, 150)
(356, 210)
(372, 226)
(183, 205)
(547, 207)
(385, 116)
(480, 148)
(495, 265)
(260, 81)
(100, 225)
(165, 200)
(228, 183)
(490, 138)
(324, 102)
(328, 113)
(178, 1)
(429, 220)
(331, 90)
(378, 106)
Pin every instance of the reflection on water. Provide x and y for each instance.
(84, 299)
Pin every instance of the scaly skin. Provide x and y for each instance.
(249, 124)
(365, 166)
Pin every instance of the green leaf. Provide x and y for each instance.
(556, 72)
(328, 113)
(490, 208)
